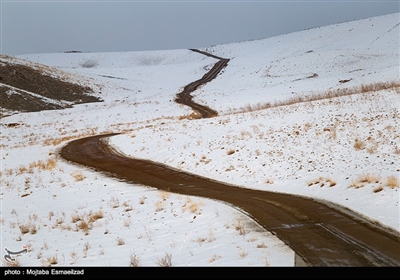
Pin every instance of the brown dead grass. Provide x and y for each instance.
(165, 261)
(365, 179)
(193, 116)
(329, 94)
(392, 182)
(359, 144)
(78, 176)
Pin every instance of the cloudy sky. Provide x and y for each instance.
(29, 27)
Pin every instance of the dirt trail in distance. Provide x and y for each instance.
(321, 234)
(185, 98)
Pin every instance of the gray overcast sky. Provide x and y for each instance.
(103, 26)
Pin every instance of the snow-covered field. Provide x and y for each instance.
(343, 149)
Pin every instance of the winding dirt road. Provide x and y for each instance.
(321, 234)
(185, 98)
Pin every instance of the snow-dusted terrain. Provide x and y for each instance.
(343, 149)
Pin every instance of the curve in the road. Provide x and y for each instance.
(322, 235)
(185, 98)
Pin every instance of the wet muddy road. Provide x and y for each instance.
(321, 234)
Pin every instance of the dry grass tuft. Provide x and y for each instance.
(134, 261)
(74, 257)
(214, 258)
(142, 200)
(262, 245)
(28, 227)
(159, 205)
(240, 228)
(243, 254)
(164, 195)
(392, 182)
(120, 241)
(269, 181)
(75, 217)
(322, 182)
(14, 263)
(85, 221)
(52, 259)
(193, 116)
(78, 176)
(369, 178)
(194, 207)
(99, 214)
(166, 261)
(84, 226)
(114, 202)
(329, 94)
(86, 248)
(359, 145)
(364, 179)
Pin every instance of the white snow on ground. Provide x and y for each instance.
(344, 149)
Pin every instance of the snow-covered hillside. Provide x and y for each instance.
(343, 149)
